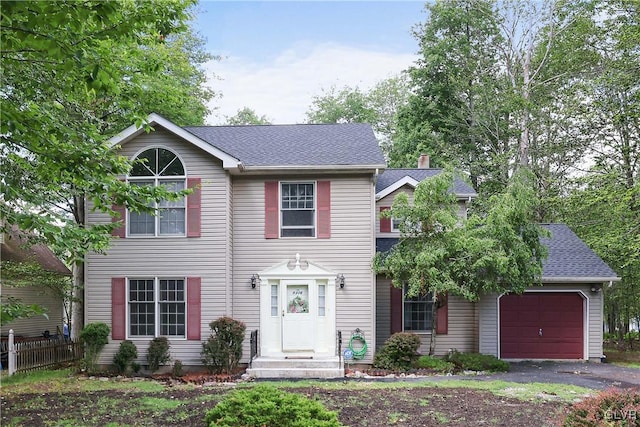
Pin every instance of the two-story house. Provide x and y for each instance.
(279, 232)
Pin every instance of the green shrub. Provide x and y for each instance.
(94, 336)
(125, 355)
(398, 352)
(265, 405)
(178, 369)
(223, 350)
(477, 362)
(611, 408)
(434, 363)
(158, 353)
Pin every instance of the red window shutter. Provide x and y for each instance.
(271, 222)
(194, 201)
(443, 316)
(396, 309)
(120, 231)
(385, 223)
(193, 308)
(118, 308)
(324, 209)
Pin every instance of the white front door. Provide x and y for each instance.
(299, 308)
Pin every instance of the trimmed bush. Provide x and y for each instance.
(434, 363)
(611, 407)
(265, 405)
(398, 353)
(125, 355)
(223, 350)
(94, 336)
(477, 362)
(178, 369)
(158, 353)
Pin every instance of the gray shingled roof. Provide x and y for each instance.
(349, 144)
(390, 176)
(570, 259)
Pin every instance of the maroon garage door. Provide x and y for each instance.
(539, 325)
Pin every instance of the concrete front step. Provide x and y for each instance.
(264, 367)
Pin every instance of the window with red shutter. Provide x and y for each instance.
(271, 213)
(118, 308)
(194, 201)
(324, 209)
(193, 308)
(385, 223)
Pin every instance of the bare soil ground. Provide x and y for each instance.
(177, 406)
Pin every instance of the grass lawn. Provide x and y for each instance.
(60, 398)
(623, 357)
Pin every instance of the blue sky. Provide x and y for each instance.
(277, 55)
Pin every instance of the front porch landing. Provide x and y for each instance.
(280, 367)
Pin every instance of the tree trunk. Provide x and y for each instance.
(77, 308)
(77, 313)
(434, 325)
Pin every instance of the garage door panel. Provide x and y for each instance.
(558, 314)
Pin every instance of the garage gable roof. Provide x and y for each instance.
(392, 179)
(570, 260)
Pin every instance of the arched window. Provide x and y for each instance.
(154, 167)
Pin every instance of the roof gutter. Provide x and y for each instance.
(311, 168)
(578, 279)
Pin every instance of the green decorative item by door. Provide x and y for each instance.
(358, 344)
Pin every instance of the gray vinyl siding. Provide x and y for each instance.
(35, 326)
(462, 325)
(349, 251)
(207, 257)
(383, 310)
(489, 321)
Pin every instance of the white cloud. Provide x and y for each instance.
(283, 88)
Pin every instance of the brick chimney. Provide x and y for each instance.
(423, 161)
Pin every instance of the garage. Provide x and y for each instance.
(542, 325)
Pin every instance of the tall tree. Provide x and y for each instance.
(73, 74)
(247, 116)
(378, 106)
(604, 203)
(440, 253)
(481, 87)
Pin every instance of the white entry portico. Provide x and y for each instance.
(297, 311)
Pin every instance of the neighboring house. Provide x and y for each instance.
(279, 232)
(15, 247)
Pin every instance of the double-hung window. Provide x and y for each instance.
(418, 312)
(297, 209)
(157, 307)
(159, 167)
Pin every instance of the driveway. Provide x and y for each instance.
(591, 375)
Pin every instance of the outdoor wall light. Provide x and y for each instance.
(595, 289)
(340, 280)
(254, 280)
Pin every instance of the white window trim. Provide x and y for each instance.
(156, 297)
(315, 211)
(156, 180)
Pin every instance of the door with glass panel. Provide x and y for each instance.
(299, 308)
